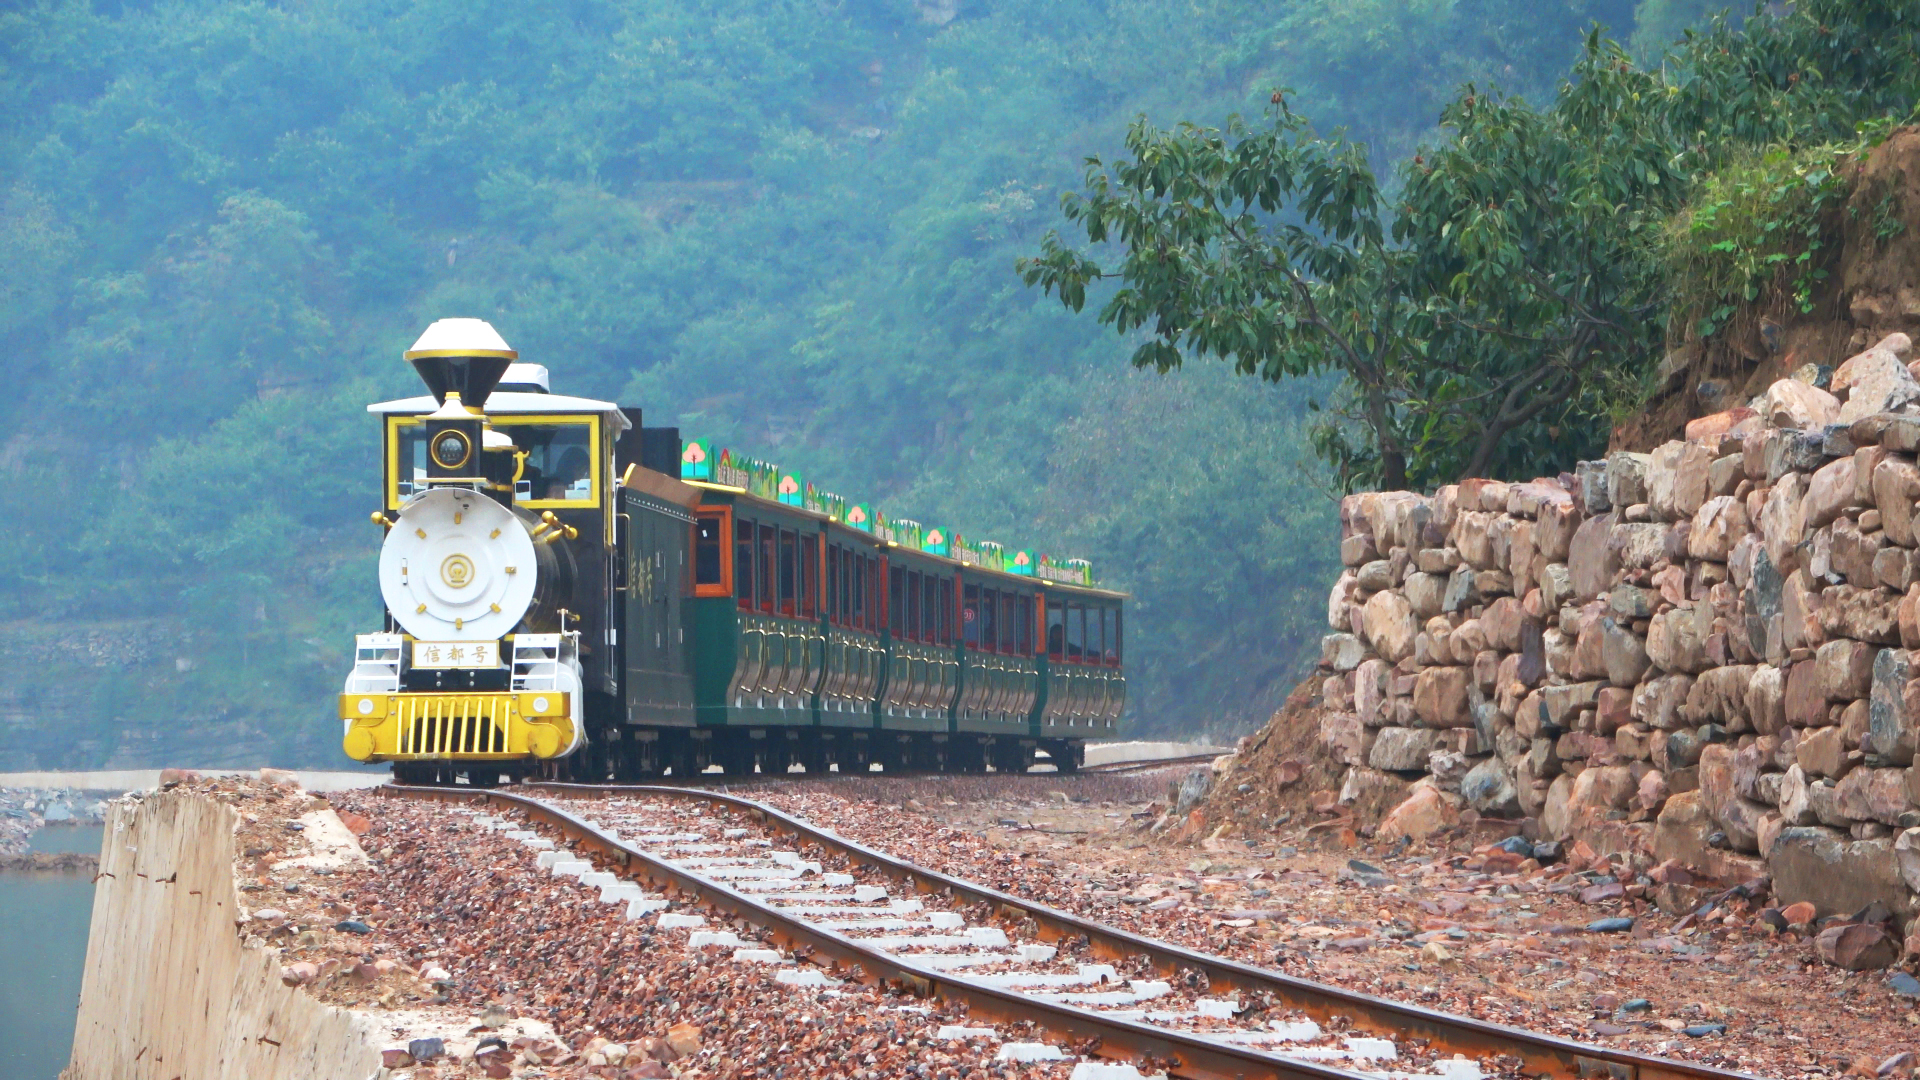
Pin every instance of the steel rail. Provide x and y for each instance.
(1153, 1048)
(1111, 767)
(1539, 1054)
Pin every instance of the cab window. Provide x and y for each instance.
(410, 460)
(1056, 632)
(1023, 627)
(561, 467)
(1076, 633)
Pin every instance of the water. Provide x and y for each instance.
(43, 945)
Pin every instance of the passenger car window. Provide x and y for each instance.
(706, 548)
(743, 563)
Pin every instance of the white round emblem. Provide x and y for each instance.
(366, 706)
(539, 704)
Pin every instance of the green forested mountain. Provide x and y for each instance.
(790, 225)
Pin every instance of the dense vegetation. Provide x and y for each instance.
(788, 224)
(1491, 307)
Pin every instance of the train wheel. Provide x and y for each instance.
(1066, 756)
(1012, 755)
(966, 754)
(814, 754)
(778, 754)
(736, 758)
(676, 754)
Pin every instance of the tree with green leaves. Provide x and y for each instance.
(1490, 309)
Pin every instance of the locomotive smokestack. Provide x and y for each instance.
(463, 357)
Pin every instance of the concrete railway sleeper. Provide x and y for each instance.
(1104, 991)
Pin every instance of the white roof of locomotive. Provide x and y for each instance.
(511, 402)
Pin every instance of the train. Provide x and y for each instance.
(570, 595)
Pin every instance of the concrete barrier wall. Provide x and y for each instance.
(169, 989)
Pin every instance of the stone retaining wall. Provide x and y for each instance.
(1705, 652)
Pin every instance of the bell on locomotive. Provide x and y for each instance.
(475, 664)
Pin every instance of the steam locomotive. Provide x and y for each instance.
(572, 595)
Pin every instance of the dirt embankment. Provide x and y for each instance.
(1872, 289)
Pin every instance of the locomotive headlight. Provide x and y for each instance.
(367, 710)
(546, 705)
(451, 449)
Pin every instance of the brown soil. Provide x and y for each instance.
(1873, 290)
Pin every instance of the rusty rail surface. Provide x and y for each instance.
(1180, 1054)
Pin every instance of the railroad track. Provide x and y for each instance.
(845, 911)
(1142, 766)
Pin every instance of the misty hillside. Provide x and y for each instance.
(789, 226)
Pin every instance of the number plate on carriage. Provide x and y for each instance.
(456, 654)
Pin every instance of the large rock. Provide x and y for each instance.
(1340, 602)
(1906, 855)
(1591, 560)
(1553, 532)
(1400, 749)
(1461, 592)
(1871, 615)
(1488, 787)
(1639, 545)
(1663, 466)
(1892, 712)
(1795, 800)
(1424, 593)
(1681, 831)
(1371, 682)
(1626, 479)
(1783, 519)
(1857, 946)
(1717, 527)
(1822, 752)
(1766, 699)
(1440, 697)
(1851, 553)
(1691, 481)
(1677, 639)
(1342, 652)
(1896, 483)
(1837, 876)
(1876, 382)
(1845, 669)
(1657, 702)
(1806, 698)
(1874, 795)
(1791, 403)
(1829, 492)
(1390, 625)
(1347, 739)
(1426, 810)
(1739, 818)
